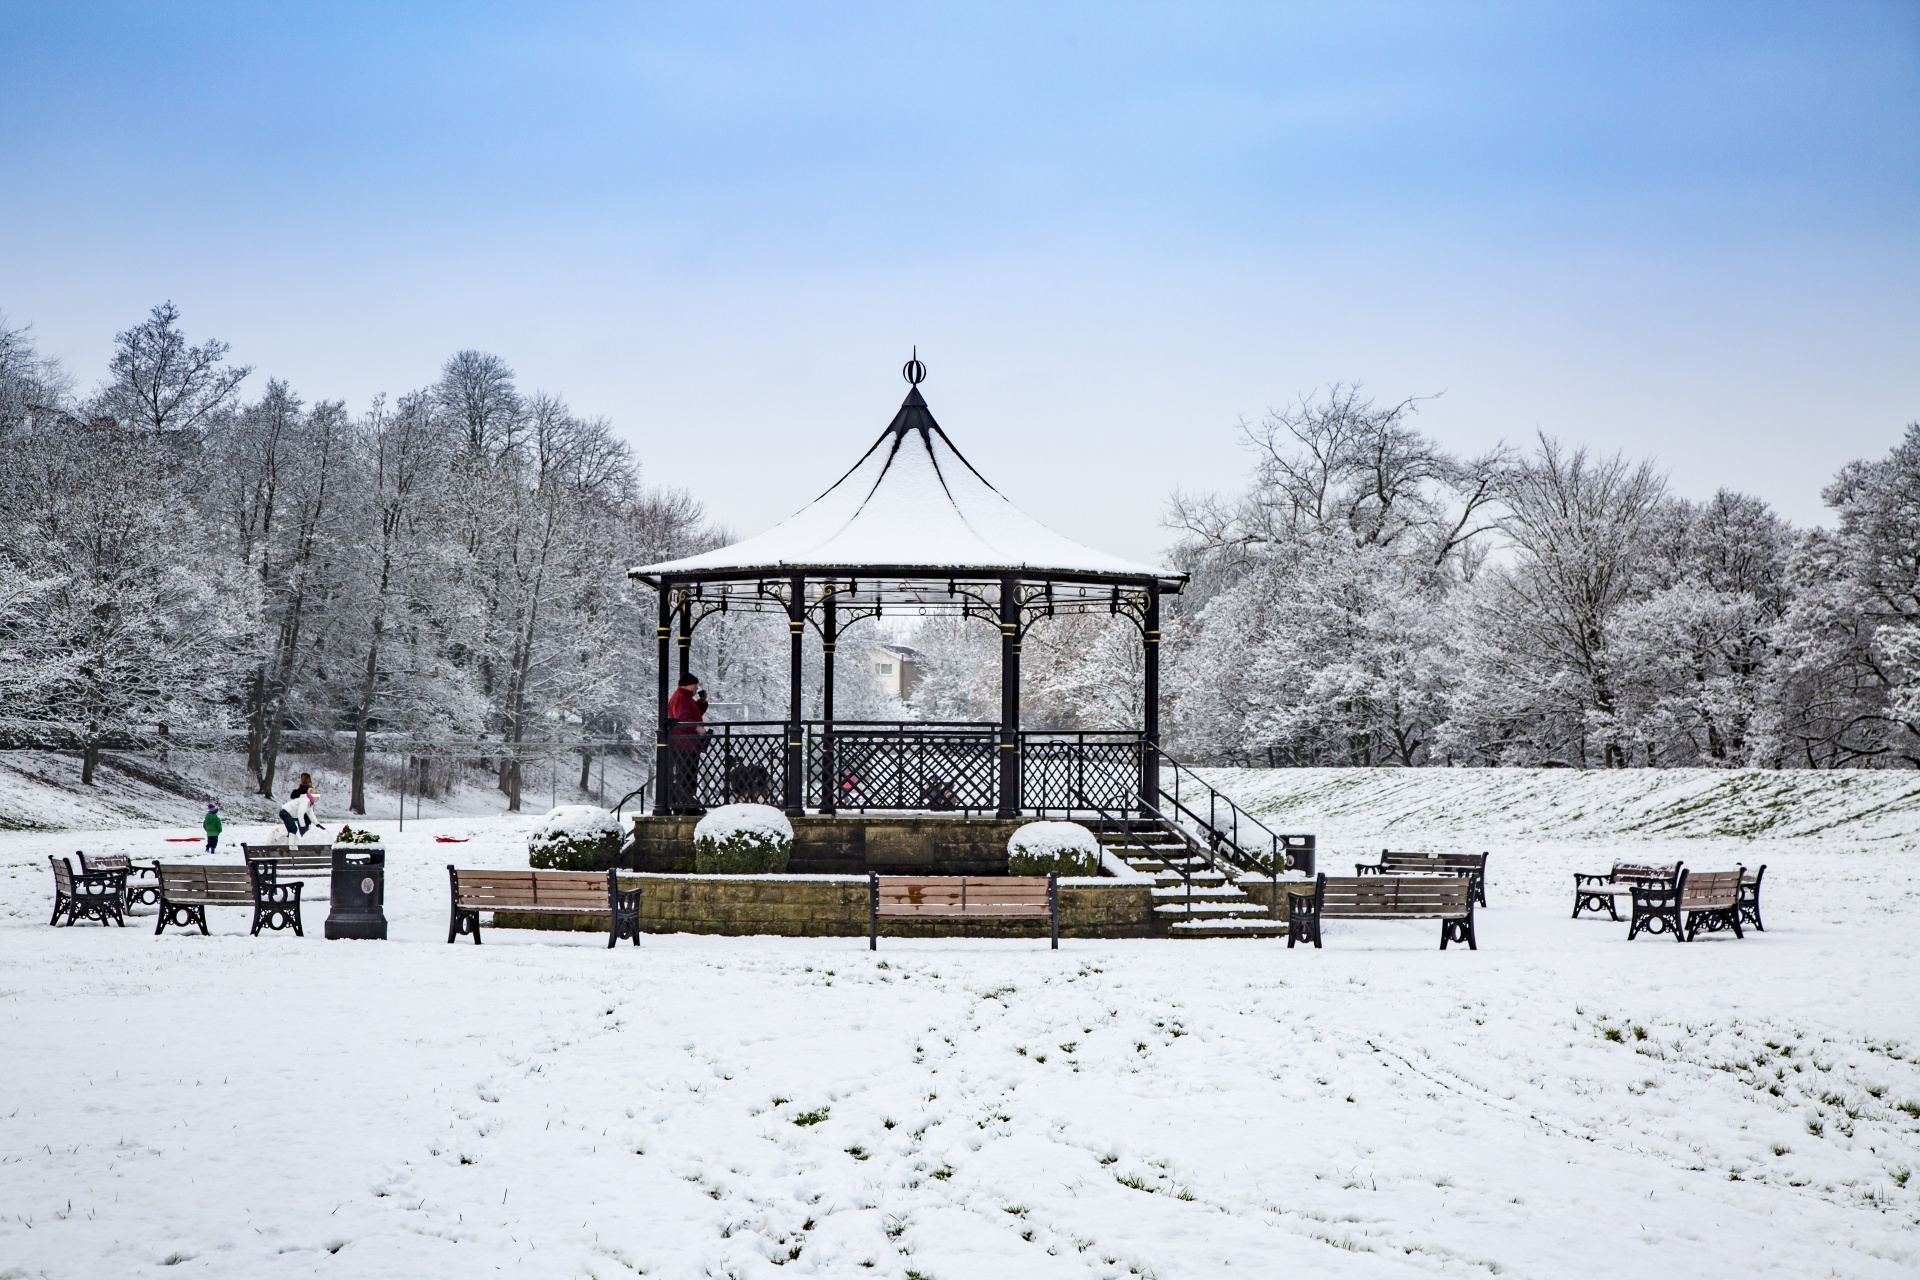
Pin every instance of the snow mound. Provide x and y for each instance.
(729, 820)
(1051, 839)
(577, 821)
(1042, 847)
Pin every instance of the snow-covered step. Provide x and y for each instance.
(1177, 890)
(1229, 927)
(1202, 906)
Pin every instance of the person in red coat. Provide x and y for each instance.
(687, 737)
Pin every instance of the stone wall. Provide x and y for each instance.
(833, 906)
(849, 844)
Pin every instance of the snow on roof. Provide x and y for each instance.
(911, 502)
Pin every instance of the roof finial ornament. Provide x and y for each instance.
(913, 371)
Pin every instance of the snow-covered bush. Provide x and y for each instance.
(742, 839)
(1065, 847)
(575, 837)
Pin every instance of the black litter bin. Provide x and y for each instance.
(1299, 853)
(359, 893)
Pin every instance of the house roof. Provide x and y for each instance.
(911, 502)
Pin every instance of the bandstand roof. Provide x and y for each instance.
(912, 503)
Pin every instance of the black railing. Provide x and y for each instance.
(1248, 843)
(1079, 772)
(895, 766)
(945, 768)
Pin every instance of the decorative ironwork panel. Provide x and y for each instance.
(909, 766)
(731, 764)
(1079, 771)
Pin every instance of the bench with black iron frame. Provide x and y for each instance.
(139, 892)
(1596, 893)
(571, 893)
(1750, 898)
(295, 862)
(187, 889)
(1696, 900)
(962, 898)
(1446, 898)
(99, 894)
(1392, 862)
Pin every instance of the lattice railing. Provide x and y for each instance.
(1079, 772)
(904, 766)
(734, 764)
(942, 768)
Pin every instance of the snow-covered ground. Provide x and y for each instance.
(42, 790)
(1560, 1103)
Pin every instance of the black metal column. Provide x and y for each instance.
(829, 637)
(662, 764)
(1009, 696)
(1150, 702)
(686, 627)
(796, 788)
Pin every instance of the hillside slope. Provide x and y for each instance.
(1878, 808)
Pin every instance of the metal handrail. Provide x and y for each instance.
(1211, 824)
(1185, 872)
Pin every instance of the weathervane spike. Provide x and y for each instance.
(913, 371)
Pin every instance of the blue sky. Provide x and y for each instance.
(1686, 231)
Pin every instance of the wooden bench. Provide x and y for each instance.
(962, 898)
(1602, 892)
(301, 862)
(1446, 898)
(570, 893)
(187, 889)
(145, 892)
(99, 894)
(1707, 900)
(1392, 863)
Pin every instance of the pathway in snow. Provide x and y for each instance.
(1559, 1103)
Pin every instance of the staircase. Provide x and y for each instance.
(1192, 898)
(1198, 844)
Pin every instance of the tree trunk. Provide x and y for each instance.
(586, 769)
(89, 760)
(357, 802)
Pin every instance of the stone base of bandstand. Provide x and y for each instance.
(797, 906)
(849, 844)
(824, 893)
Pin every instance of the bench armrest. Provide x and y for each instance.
(1581, 879)
(1655, 895)
(277, 892)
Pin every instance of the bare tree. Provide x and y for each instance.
(160, 382)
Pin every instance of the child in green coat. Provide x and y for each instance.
(213, 827)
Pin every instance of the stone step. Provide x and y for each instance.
(1228, 928)
(1239, 906)
(1177, 890)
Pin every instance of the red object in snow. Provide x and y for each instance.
(184, 839)
(450, 839)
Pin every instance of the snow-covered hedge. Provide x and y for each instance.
(1065, 847)
(575, 837)
(742, 839)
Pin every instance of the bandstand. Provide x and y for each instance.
(911, 529)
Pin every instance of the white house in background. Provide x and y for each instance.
(896, 668)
